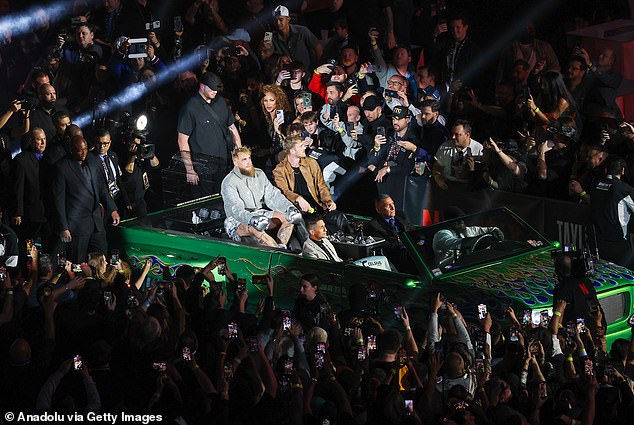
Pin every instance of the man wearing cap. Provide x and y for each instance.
(206, 135)
(295, 41)
(394, 159)
(373, 111)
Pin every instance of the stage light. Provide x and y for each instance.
(141, 122)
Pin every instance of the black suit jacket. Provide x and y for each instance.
(379, 227)
(27, 197)
(77, 200)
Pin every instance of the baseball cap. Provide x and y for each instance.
(371, 102)
(239, 34)
(281, 11)
(433, 92)
(399, 112)
(211, 80)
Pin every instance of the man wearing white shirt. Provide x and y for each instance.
(455, 164)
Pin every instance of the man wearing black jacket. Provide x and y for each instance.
(28, 207)
(388, 224)
(612, 203)
(79, 192)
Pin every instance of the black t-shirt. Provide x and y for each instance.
(301, 188)
(208, 135)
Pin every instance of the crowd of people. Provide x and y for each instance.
(296, 112)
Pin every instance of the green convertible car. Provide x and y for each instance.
(514, 268)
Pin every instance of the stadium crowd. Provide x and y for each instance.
(316, 102)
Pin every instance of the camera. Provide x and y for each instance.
(26, 102)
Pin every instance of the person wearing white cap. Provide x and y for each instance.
(295, 41)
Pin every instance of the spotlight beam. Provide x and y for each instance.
(37, 17)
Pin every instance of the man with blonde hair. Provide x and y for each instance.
(300, 179)
(253, 205)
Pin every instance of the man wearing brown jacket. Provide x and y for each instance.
(301, 181)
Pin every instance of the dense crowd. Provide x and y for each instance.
(320, 102)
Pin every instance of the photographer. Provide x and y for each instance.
(134, 179)
(25, 113)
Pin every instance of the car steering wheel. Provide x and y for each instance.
(483, 242)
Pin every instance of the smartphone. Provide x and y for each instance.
(29, 246)
(178, 24)
(371, 342)
(279, 115)
(527, 318)
(241, 286)
(160, 366)
(571, 329)
(107, 296)
(390, 93)
(288, 366)
(372, 68)
(187, 355)
(3, 274)
(78, 363)
(319, 360)
(132, 301)
(581, 325)
(268, 37)
(362, 353)
(514, 335)
(398, 312)
(544, 318)
(321, 347)
(286, 320)
(61, 259)
(232, 330)
(588, 367)
(349, 127)
(479, 365)
(221, 265)
(402, 356)
(482, 311)
(114, 257)
(409, 407)
(76, 268)
(259, 279)
(307, 100)
(228, 370)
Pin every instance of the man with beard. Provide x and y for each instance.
(41, 117)
(394, 160)
(434, 133)
(253, 205)
(79, 191)
(206, 135)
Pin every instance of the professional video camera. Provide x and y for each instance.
(582, 261)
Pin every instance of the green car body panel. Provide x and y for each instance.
(523, 281)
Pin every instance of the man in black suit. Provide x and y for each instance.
(388, 224)
(27, 216)
(79, 192)
(111, 171)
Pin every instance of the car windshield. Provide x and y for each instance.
(473, 240)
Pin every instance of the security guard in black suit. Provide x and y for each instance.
(79, 193)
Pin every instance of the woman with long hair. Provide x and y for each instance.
(553, 101)
(274, 100)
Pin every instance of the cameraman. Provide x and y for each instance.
(25, 113)
(134, 180)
